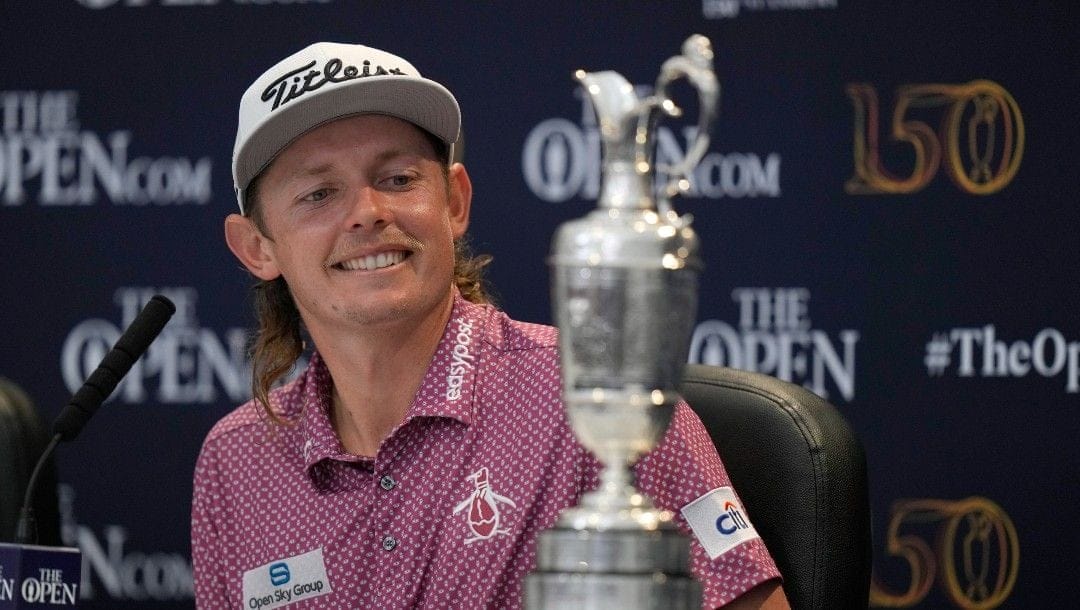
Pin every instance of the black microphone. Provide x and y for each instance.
(129, 347)
(85, 402)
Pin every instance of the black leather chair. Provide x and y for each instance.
(23, 437)
(801, 474)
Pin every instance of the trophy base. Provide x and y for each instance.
(626, 569)
(547, 591)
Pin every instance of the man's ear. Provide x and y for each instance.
(251, 247)
(460, 199)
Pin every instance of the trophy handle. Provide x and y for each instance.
(696, 65)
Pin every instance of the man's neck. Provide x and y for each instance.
(376, 374)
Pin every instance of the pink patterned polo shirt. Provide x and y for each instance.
(447, 513)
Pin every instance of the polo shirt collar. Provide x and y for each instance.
(448, 389)
(320, 440)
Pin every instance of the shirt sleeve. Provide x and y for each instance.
(206, 515)
(683, 468)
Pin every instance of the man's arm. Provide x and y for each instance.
(766, 596)
(206, 552)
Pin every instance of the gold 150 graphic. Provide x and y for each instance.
(976, 552)
(981, 138)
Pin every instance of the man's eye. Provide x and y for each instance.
(401, 180)
(318, 195)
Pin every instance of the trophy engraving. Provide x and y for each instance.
(624, 294)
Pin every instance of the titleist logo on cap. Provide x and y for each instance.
(292, 85)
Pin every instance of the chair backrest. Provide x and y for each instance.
(801, 474)
(22, 439)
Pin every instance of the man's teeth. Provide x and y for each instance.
(374, 261)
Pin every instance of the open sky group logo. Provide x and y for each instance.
(279, 574)
(285, 581)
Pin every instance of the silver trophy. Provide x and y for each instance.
(625, 299)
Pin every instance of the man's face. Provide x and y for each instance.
(361, 219)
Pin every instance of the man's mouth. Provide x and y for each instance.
(372, 262)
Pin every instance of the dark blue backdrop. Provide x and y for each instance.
(895, 177)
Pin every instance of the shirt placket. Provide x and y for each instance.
(388, 535)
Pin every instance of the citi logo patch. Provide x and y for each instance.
(719, 521)
(732, 520)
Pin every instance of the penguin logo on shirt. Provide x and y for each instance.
(483, 508)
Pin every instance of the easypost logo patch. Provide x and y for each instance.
(285, 581)
(719, 521)
(461, 360)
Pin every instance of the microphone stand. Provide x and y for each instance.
(26, 528)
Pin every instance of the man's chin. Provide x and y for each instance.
(377, 316)
(409, 312)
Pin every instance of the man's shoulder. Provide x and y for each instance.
(252, 413)
(509, 335)
(240, 418)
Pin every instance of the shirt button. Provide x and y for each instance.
(389, 543)
(387, 482)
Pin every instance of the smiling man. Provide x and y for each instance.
(414, 461)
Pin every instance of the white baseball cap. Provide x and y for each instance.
(328, 81)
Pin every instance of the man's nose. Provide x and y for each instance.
(369, 210)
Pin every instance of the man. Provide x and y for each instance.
(415, 460)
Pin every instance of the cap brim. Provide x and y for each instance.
(422, 102)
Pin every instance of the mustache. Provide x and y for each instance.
(390, 237)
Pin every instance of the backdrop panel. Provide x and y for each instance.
(887, 214)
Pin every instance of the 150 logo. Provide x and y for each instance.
(976, 552)
(980, 142)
